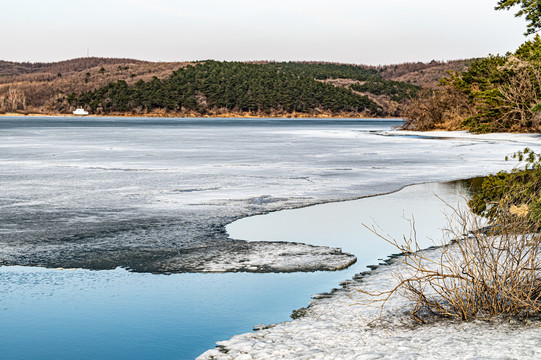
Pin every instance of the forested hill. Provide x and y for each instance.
(210, 88)
(213, 86)
(498, 93)
(323, 71)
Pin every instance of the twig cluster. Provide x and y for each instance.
(484, 273)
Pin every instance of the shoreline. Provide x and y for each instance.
(340, 324)
(337, 294)
(207, 116)
(461, 134)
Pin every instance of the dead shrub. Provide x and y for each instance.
(519, 97)
(478, 273)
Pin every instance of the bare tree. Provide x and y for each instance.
(521, 97)
(14, 100)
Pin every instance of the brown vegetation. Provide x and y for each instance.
(422, 74)
(441, 110)
(481, 273)
(44, 87)
(13, 100)
(498, 93)
(424, 107)
(520, 95)
(391, 108)
(226, 113)
(8, 68)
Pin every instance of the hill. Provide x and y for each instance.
(422, 74)
(225, 87)
(276, 88)
(498, 93)
(41, 87)
(8, 68)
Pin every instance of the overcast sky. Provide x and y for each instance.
(350, 31)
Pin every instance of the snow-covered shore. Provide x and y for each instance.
(508, 137)
(337, 327)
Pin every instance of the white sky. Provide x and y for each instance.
(350, 31)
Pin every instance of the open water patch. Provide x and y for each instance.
(117, 314)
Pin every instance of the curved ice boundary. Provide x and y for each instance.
(156, 198)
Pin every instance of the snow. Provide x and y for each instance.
(98, 193)
(339, 327)
(508, 137)
(262, 257)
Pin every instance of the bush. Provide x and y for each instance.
(487, 267)
(495, 94)
(502, 195)
(487, 274)
(444, 109)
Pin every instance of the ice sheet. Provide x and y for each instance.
(137, 193)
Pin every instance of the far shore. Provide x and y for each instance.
(209, 116)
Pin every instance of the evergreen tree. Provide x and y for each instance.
(530, 9)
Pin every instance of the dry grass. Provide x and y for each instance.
(492, 272)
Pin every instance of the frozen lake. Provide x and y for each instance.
(115, 314)
(102, 193)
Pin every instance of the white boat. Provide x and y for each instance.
(80, 111)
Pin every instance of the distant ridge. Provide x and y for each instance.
(53, 88)
(415, 72)
(8, 68)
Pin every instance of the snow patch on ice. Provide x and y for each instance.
(260, 257)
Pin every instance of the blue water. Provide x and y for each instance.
(115, 314)
(81, 314)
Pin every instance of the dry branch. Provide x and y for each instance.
(484, 273)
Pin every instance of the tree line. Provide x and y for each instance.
(323, 71)
(398, 91)
(498, 93)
